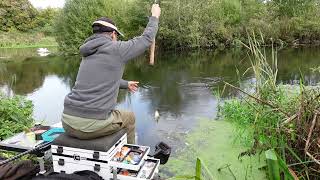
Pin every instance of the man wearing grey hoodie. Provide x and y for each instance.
(89, 109)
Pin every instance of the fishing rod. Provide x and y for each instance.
(153, 45)
(37, 148)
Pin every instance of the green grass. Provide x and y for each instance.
(24, 40)
(28, 46)
(258, 123)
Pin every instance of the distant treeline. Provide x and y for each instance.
(183, 24)
(197, 23)
(221, 23)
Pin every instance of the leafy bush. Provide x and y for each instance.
(45, 21)
(15, 115)
(20, 15)
(17, 15)
(258, 123)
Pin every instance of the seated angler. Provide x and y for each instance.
(89, 109)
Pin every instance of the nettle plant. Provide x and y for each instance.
(15, 115)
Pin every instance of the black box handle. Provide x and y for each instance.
(61, 162)
(96, 167)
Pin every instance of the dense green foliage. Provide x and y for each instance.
(22, 25)
(17, 15)
(45, 21)
(74, 23)
(194, 24)
(250, 115)
(277, 117)
(21, 16)
(184, 24)
(262, 127)
(15, 115)
(216, 23)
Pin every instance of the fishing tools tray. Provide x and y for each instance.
(110, 157)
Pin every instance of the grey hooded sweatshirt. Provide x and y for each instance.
(99, 78)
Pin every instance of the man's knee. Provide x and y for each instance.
(132, 117)
(127, 117)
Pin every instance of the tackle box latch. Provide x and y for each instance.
(96, 155)
(60, 150)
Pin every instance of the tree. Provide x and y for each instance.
(196, 23)
(75, 20)
(17, 15)
(45, 20)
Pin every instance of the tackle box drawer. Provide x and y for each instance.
(148, 170)
(71, 165)
(130, 157)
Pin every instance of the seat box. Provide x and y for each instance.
(86, 153)
(99, 155)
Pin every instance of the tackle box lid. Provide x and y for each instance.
(99, 144)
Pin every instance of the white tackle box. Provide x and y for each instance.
(98, 155)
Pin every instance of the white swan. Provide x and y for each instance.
(43, 52)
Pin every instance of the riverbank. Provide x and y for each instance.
(25, 40)
(274, 118)
(215, 143)
(290, 129)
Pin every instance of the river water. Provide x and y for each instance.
(180, 85)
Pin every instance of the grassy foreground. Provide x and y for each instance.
(214, 142)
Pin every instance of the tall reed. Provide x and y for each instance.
(275, 116)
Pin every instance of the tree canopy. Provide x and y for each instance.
(17, 15)
(21, 16)
(196, 23)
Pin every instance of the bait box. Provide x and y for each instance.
(136, 167)
(154, 171)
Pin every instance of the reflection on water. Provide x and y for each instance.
(48, 99)
(179, 86)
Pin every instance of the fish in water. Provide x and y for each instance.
(156, 114)
(210, 79)
(196, 85)
(203, 82)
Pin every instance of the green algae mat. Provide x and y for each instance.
(214, 142)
